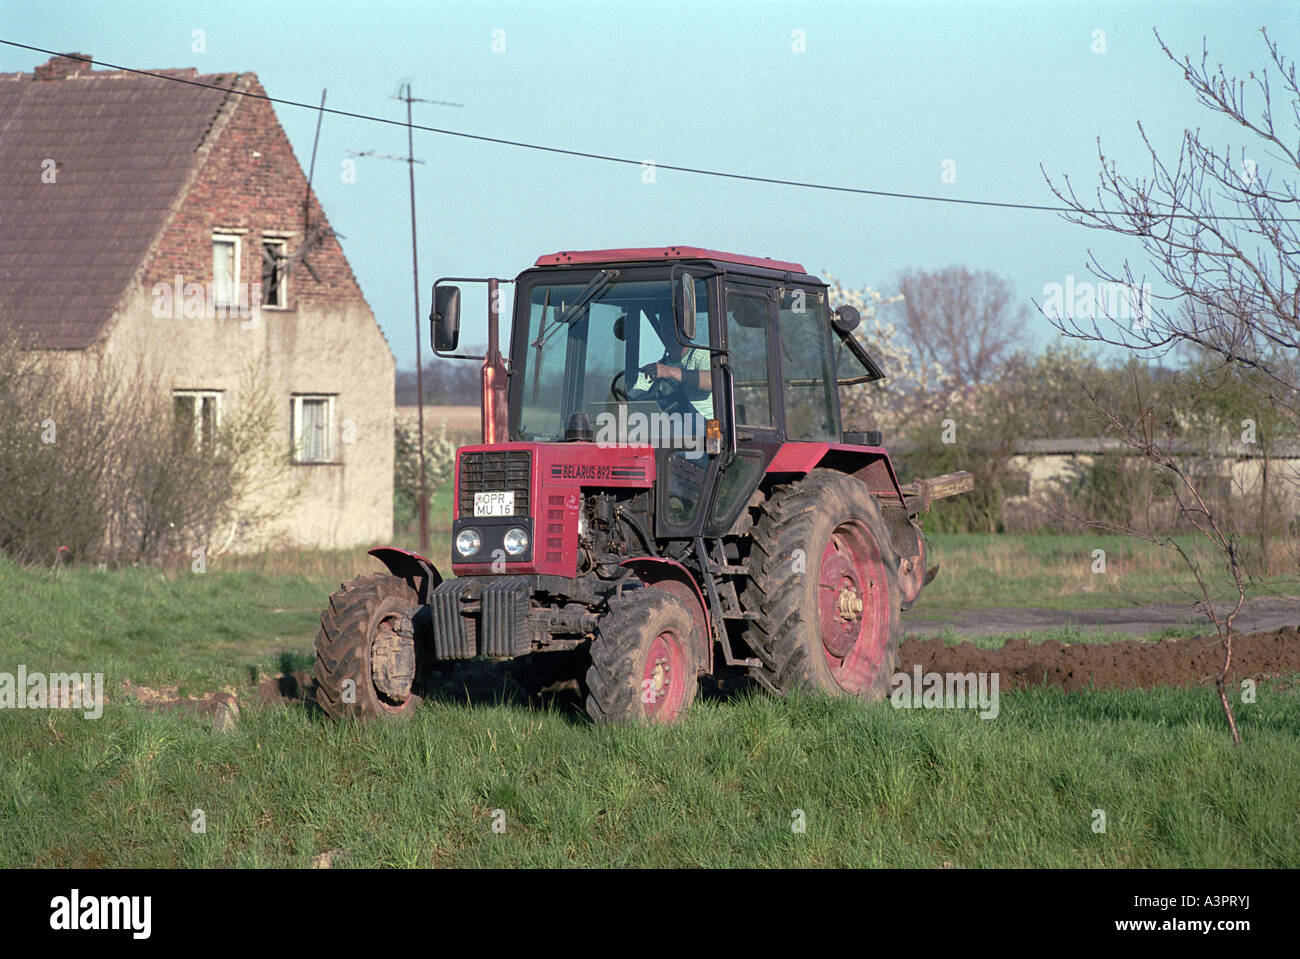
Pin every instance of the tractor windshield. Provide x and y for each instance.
(593, 347)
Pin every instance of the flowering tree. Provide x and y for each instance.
(913, 390)
(439, 467)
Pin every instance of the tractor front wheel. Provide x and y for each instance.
(645, 659)
(367, 657)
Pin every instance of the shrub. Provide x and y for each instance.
(96, 469)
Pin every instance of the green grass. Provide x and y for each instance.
(877, 787)
(201, 630)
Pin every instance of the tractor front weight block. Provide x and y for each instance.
(481, 616)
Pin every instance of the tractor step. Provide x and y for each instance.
(724, 602)
(732, 660)
(720, 567)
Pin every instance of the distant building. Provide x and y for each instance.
(170, 222)
(1227, 471)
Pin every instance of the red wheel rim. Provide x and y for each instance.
(853, 615)
(663, 678)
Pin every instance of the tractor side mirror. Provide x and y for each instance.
(846, 319)
(684, 305)
(444, 318)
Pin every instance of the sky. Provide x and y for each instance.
(954, 99)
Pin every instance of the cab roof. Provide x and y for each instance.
(648, 253)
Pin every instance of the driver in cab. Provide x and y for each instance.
(684, 365)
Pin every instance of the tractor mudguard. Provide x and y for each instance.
(671, 575)
(870, 464)
(418, 571)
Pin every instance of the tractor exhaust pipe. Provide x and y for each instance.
(494, 375)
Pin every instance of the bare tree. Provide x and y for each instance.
(1143, 435)
(95, 469)
(965, 322)
(445, 383)
(1219, 229)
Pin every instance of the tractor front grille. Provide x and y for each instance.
(488, 472)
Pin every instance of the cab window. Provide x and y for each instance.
(808, 379)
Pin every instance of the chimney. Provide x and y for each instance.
(63, 66)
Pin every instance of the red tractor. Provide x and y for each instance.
(664, 481)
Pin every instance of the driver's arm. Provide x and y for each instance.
(695, 371)
(700, 379)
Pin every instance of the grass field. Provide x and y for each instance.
(877, 786)
(1055, 571)
(1059, 634)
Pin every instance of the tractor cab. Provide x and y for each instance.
(715, 361)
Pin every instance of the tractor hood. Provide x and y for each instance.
(537, 488)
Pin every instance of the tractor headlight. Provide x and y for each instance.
(468, 542)
(516, 540)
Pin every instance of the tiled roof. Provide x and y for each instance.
(122, 147)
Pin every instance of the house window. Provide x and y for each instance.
(225, 269)
(198, 417)
(275, 292)
(313, 429)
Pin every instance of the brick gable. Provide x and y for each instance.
(251, 180)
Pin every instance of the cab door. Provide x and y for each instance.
(687, 475)
(754, 407)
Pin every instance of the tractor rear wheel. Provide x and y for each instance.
(367, 657)
(645, 659)
(823, 579)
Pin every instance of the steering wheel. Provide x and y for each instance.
(615, 390)
(667, 393)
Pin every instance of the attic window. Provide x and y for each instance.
(275, 278)
(225, 269)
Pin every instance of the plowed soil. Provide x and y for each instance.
(1124, 664)
(1121, 664)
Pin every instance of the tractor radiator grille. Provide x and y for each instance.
(487, 472)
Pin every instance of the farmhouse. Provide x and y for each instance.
(167, 226)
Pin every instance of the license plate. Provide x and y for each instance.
(494, 504)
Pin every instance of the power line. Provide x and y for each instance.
(607, 158)
(383, 156)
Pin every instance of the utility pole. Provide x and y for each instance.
(422, 498)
